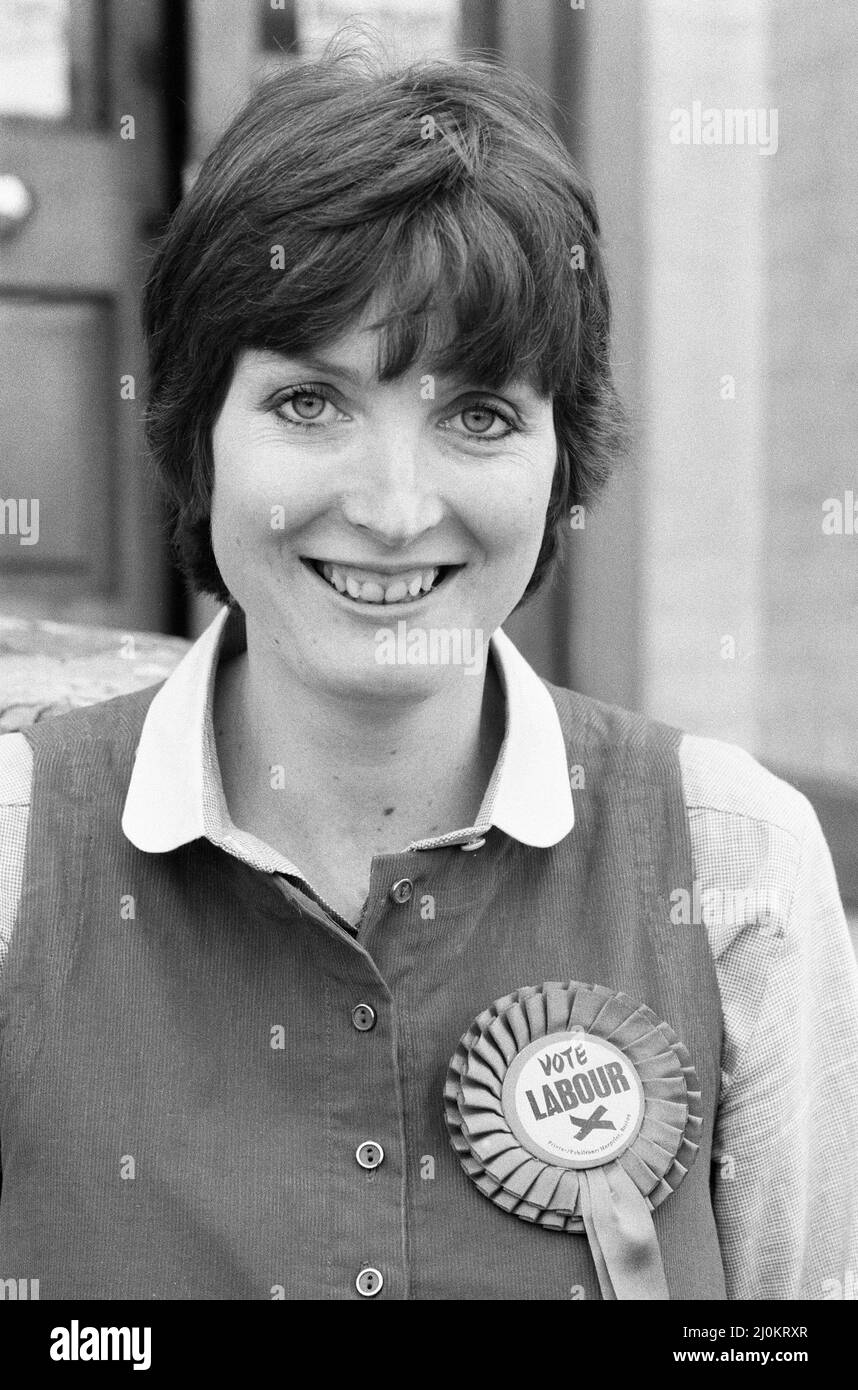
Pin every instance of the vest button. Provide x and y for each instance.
(363, 1017)
(369, 1154)
(369, 1282)
(402, 890)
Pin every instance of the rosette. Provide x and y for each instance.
(575, 1107)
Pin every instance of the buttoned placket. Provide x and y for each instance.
(367, 1258)
(368, 1034)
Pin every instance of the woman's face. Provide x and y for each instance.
(338, 499)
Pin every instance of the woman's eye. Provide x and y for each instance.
(479, 420)
(484, 422)
(304, 407)
(308, 405)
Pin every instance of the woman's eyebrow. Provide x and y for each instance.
(304, 362)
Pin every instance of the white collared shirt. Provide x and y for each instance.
(176, 795)
(786, 1140)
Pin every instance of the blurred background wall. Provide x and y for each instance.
(716, 586)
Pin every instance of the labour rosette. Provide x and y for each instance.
(575, 1107)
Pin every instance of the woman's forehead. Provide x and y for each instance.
(359, 350)
(355, 357)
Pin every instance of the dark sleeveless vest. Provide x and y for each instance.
(183, 1088)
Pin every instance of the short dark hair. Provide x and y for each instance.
(441, 182)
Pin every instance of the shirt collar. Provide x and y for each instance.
(175, 793)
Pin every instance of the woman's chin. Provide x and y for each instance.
(377, 674)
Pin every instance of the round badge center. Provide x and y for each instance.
(573, 1099)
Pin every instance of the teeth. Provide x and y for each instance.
(370, 592)
(396, 592)
(379, 590)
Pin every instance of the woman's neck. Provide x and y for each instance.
(296, 763)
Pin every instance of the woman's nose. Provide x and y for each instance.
(391, 491)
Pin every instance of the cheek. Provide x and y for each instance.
(255, 494)
(244, 469)
(248, 503)
(514, 509)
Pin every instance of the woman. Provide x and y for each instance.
(355, 960)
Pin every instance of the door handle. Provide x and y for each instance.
(16, 205)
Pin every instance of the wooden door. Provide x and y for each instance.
(82, 191)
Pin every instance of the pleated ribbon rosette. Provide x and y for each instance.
(575, 1107)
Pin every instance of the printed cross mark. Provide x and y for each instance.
(587, 1123)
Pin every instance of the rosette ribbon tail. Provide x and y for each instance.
(622, 1237)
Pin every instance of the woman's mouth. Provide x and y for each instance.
(372, 586)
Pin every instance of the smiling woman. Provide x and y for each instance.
(448, 189)
(305, 931)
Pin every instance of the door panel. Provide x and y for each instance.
(53, 360)
(81, 142)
